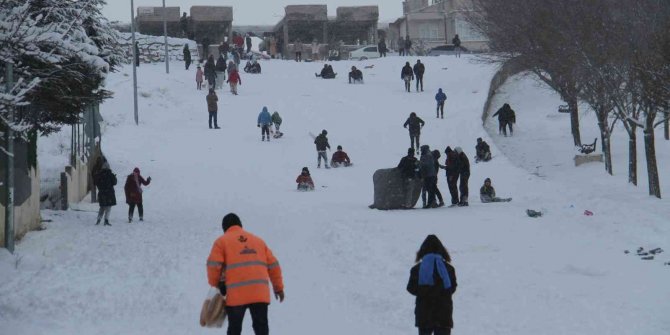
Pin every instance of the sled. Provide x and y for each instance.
(564, 109)
(588, 148)
(213, 312)
(278, 135)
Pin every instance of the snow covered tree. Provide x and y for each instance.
(61, 52)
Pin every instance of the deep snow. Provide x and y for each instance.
(345, 266)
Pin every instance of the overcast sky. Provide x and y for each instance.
(252, 11)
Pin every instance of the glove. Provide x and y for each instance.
(222, 288)
(258, 125)
(149, 179)
(279, 296)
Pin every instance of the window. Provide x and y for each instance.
(429, 31)
(466, 33)
(370, 49)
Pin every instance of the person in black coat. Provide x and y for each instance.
(506, 117)
(355, 75)
(407, 75)
(408, 167)
(415, 124)
(322, 144)
(220, 68)
(451, 167)
(210, 71)
(456, 41)
(483, 151)
(419, 69)
(463, 174)
(187, 56)
(105, 181)
(381, 47)
(433, 281)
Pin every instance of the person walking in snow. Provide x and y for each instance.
(187, 56)
(483, 151)
(297, 46)
(340, 158)
(487, 193)
(242, 267)
(264, 122)
(440, 97)
(456, 41)
(429, 175)
(210, 72)
(224, 48)
(212, 108)
(231, 67)
(408, 167)
(248, 42)
(463, 175)
(415, 124)
(304, 181)
(315, 50)
(451, 167)
(381, 47)
(401, 46)
(407, 75)
(133, 190)
(419, 69)
(506, 117)
(322, 144)
(220, 71)
(199, 77)
(105, 181)
(234, 79)
(433, 281)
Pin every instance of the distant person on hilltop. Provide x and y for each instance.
(414, 124)
(440, 97)
(407, 75)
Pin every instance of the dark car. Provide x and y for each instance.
(448, 49)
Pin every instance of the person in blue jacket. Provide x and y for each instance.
(264, 122)
(440, 97)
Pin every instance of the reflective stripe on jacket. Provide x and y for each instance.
(246, 265)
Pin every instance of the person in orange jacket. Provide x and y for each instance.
(242, 267)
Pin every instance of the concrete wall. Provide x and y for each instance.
(27, 215)
(76, 182)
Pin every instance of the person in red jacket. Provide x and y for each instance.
(304, 180)
(340, 158)
(234, 79)
(242, 266)
(133, 190)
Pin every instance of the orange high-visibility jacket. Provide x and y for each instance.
(247, 266)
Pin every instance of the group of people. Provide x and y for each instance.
(327, 72)
(244, 269)
(339, 159)
(105, 180)
(215, 74)
(409, 73)
(265, 122)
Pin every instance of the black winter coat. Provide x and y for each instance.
(415, 124)
(406, 72)
(321, 142)
(419, 69)
(482, 148)
(407, 167)
(105, 181)
(463, 165)
(210, 68)
(434, 307)
(221, 64)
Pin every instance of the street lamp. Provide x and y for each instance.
(167, 58)
(135, 55)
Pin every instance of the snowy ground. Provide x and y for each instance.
(345, 266)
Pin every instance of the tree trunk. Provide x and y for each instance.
(574, 121)
(632, 154)
(650, 152)
(605, 141)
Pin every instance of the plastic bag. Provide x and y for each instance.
(213, 312)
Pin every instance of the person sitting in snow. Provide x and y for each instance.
(483, 151)
(327, 72)
(277, 120)
(340, 158)
(304, 180)
(488, 194)
(355, 75)
(252, 67)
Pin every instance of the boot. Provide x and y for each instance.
(97, 222)
(130, 219)
(107, 223)
(141, 218)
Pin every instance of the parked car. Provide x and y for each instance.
(366, 52)
(448, 49)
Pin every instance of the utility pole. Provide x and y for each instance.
(167, 57)
(135, 55)
(9, 208)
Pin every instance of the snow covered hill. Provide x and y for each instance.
(345, 266)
